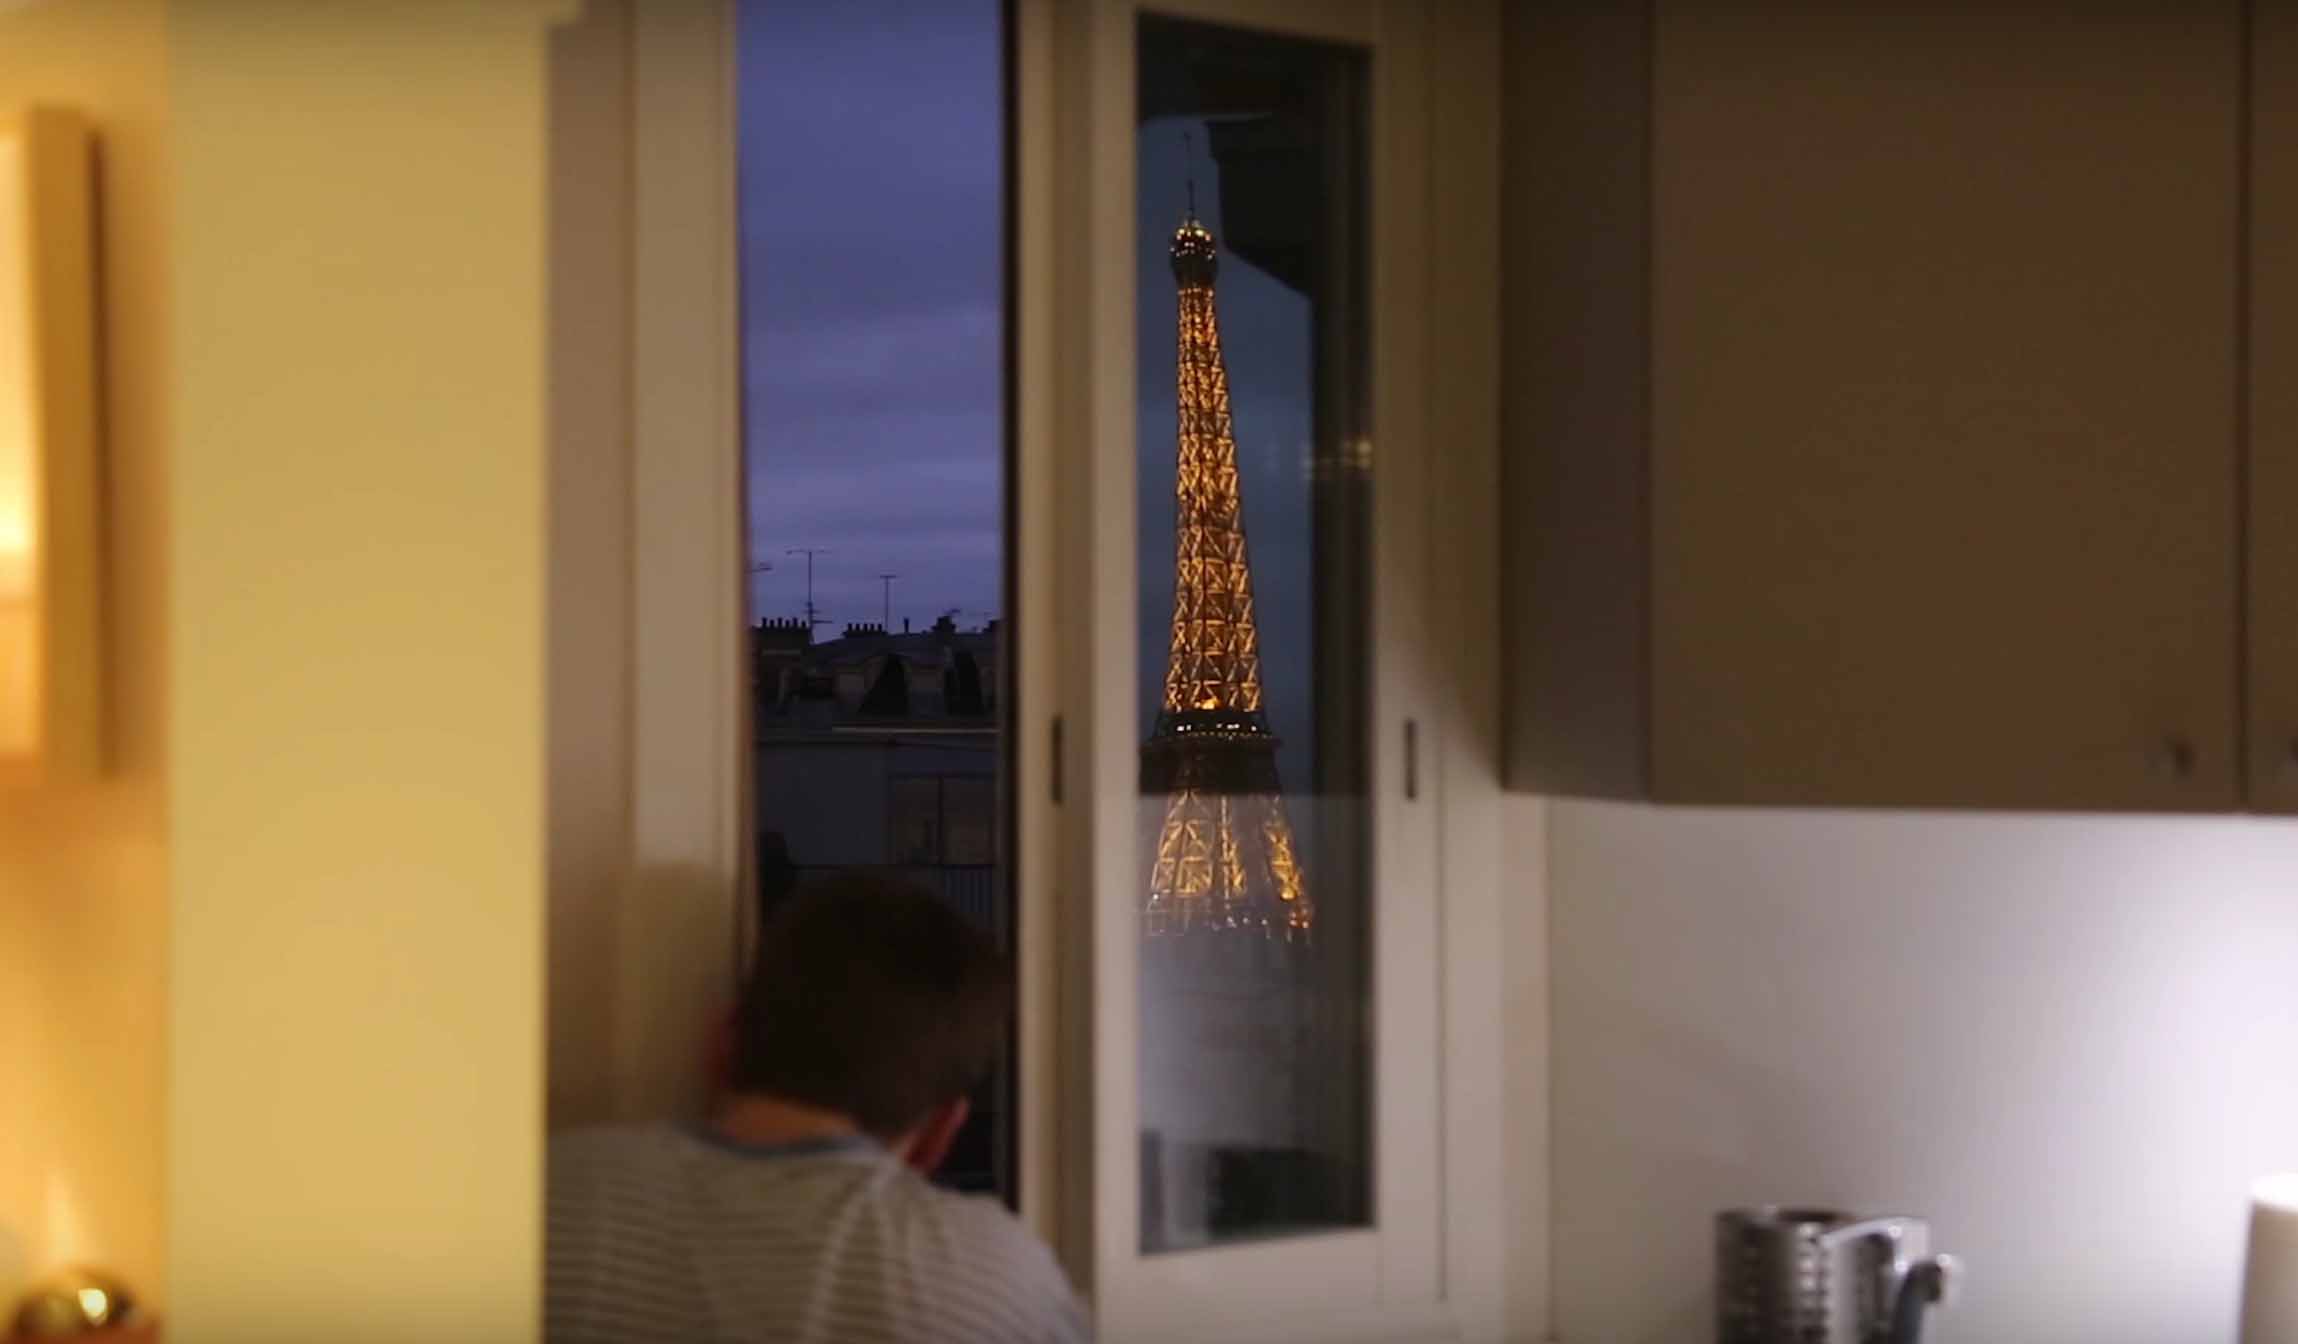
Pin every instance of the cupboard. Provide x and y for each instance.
(2270, 637)
(1874, 422)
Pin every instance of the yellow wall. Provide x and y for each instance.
(83, 870)
(359, 538)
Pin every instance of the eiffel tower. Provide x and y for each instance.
(1225, 856)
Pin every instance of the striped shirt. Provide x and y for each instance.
(657, 1233)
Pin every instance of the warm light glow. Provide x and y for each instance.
(65, 1233)
(1224, 856)
(15, 557)
(19, 628)
(1214, 659)
(96, 1303)
(49, 628)
(19, 521)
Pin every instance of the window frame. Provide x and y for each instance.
(1073, 752)
(1412, 1275)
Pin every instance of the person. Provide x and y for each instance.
(800, 1209)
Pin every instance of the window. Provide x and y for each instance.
(944, 820)
(1254, 635)
(873, 230)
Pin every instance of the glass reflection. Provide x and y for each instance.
(1255, 635)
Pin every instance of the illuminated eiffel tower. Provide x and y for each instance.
(1225, 856)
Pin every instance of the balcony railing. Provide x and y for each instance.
(971, 889)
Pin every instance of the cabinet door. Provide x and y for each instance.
(1945, 485)
(2272, 378)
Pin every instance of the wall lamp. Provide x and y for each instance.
(51, 630)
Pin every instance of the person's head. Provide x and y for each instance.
(874, 1000)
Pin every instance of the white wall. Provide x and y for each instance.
(2070, 1042)
(1524, 1082)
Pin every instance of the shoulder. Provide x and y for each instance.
(611, 1253)
(1000, 1249)
(582, 1159)
(607, 1142)
(610, 1191)
(980, 1219)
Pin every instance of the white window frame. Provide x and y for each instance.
(683, 895)
(1432, 1265)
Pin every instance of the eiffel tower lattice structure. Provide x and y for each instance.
(1224, 856)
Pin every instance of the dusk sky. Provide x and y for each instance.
(872, 193)
(872, 217)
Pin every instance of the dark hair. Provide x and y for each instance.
(872, 999)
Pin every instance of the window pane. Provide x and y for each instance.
(969, 821)
(917, 823)
(873, 235)
(1255, 613)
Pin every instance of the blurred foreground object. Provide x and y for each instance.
(77, 1302)
(2270, 1268)
(50, 624)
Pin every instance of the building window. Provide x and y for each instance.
(944, 820)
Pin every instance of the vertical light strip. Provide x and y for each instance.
(19, 484)
(49, 646)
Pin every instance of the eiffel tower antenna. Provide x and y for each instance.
(1224, 857)
(1189, 172)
